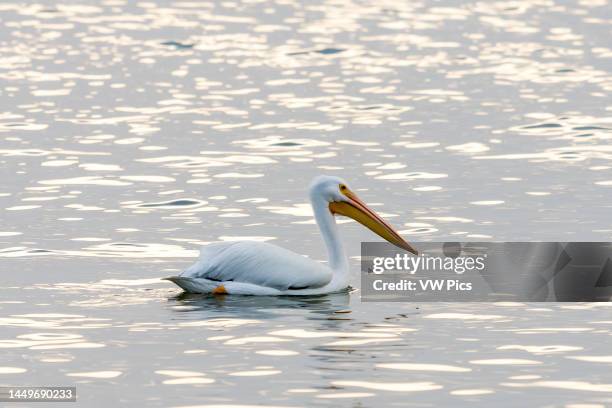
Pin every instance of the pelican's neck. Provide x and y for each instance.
(327, 225)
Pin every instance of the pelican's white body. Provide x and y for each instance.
(258, 268)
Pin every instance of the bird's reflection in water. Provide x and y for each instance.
(196, 306)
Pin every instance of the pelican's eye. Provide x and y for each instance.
(343, 188)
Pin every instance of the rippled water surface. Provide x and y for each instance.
(134, 132)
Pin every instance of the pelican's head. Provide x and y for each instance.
(341, 200)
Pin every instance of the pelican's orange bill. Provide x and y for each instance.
(360, 212)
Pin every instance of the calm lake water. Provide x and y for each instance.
(134, 132)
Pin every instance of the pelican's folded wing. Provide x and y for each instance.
(258, 263)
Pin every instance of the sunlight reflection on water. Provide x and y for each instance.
(132, 133)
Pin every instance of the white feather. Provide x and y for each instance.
(258, 263)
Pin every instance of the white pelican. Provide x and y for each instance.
(258, 268)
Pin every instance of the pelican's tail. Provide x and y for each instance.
(193, 285)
